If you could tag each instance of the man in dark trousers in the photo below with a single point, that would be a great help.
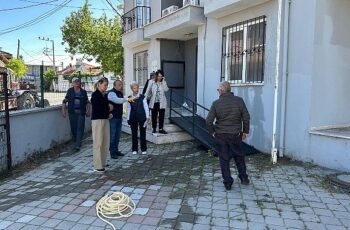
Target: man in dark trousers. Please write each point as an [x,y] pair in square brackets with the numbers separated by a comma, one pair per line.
[231,127]
[116,98]
[78,108]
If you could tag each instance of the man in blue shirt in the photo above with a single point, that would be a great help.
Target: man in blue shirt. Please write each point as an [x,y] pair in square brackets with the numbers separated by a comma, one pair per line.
[78,108]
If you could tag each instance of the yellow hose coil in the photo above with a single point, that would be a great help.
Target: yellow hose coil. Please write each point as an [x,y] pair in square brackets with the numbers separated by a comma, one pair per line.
[114,206]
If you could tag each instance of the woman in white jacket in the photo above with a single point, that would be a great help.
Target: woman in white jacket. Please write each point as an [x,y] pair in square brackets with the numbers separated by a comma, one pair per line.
[158,102]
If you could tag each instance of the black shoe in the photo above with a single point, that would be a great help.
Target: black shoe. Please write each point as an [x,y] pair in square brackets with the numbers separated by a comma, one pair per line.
[114,156]
[154,131]
[228,186]
[77,149]
[120,154]
[162,131]
[99,170]
[244,180]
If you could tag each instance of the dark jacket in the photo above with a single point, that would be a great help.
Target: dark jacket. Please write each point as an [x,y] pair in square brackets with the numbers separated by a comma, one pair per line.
[100,106]
[69,98]
[137,110]
[117,108]
[231,114]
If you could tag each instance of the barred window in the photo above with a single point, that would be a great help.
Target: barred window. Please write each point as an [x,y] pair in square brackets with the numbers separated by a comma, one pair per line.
[141,68]
[243,51]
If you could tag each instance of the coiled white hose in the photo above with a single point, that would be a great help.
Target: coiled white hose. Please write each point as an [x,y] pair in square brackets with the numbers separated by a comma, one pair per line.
[114,206]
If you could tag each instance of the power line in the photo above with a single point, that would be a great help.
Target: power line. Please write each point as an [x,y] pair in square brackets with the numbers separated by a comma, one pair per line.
[114,9]
[25,7]
[35,20]
[75,7]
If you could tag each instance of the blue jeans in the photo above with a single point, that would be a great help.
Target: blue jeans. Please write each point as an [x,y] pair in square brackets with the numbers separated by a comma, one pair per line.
[115,130]
[77,126]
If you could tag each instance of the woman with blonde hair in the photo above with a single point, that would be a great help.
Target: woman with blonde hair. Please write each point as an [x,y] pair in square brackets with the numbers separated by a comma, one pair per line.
[137,116]
[100,124]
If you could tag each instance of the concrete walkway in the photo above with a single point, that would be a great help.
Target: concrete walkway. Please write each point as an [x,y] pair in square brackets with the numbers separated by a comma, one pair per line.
[176,186]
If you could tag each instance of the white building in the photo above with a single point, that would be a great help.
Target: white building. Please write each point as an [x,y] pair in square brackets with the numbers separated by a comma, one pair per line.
[289,60]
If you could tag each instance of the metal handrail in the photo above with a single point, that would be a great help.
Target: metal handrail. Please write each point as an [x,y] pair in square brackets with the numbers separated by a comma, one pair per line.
[186,117]
[137,17]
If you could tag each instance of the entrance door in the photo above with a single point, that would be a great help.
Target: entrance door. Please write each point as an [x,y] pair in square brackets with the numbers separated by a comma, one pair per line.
[174,72]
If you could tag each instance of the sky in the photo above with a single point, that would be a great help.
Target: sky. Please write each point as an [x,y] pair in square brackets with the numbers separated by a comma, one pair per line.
[31,46]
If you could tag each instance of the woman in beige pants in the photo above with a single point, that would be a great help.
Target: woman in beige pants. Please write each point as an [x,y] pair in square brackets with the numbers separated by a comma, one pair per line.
[100,124]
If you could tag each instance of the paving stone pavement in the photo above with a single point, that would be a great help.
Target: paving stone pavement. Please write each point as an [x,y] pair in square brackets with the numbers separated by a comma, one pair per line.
[175,186]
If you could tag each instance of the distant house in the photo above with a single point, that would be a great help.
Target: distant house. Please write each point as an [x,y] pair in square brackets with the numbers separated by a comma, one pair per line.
[4,58]
[81,67]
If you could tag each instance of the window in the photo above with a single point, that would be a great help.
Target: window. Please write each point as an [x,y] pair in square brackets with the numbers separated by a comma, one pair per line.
[141,68]
[243,50]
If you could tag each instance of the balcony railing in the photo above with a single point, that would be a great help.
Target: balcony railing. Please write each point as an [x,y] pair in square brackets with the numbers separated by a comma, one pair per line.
[138,17]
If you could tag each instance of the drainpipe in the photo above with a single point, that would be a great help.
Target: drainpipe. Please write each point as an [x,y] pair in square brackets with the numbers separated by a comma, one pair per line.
[277,79]
[285,77]
[204,54]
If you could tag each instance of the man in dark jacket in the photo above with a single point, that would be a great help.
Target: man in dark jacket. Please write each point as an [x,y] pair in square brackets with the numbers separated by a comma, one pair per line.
[78,108]
[116,98]
[230,128]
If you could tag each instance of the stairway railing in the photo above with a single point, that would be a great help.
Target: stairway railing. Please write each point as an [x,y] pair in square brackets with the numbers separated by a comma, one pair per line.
[175,105]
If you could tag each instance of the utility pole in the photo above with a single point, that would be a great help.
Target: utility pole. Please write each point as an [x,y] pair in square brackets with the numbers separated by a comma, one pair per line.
[53,50]
[18,46]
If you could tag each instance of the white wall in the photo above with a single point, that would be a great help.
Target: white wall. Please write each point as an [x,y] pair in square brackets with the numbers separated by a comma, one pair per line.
[153,48]
[37,130]
[331,81]
[259,99]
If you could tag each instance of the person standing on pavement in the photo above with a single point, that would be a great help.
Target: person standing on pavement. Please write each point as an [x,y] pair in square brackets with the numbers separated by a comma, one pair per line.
[231,127]
[78,108]
[100,124]
[116,98]
[158,102]
[138,116]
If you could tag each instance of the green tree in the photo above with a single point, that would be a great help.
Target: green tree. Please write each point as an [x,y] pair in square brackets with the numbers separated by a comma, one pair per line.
[49,77]
[98,37]
[17,66]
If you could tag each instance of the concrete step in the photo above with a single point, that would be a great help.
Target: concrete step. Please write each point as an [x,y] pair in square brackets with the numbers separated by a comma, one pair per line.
[175,134]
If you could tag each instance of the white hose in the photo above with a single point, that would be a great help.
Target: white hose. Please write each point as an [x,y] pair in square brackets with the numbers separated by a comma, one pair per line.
[114,206]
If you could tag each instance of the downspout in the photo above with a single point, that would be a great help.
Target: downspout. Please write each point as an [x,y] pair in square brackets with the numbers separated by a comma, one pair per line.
[285,78]
[277,79]
[204,54]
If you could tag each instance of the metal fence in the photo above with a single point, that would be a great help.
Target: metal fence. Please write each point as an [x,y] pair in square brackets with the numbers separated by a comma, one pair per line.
[5,143]
[136,18]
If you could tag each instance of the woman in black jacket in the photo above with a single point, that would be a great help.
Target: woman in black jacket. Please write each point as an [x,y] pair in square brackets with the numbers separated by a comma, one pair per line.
[100,124]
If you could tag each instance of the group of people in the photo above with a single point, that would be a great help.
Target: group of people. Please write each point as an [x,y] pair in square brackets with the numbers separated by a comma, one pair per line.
[106,110]
[228,120]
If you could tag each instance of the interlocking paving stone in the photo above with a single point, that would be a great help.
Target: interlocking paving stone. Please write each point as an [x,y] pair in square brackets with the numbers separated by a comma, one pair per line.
[175,186]
[4,224]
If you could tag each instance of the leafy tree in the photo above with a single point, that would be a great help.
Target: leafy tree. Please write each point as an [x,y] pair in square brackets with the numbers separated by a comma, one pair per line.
[17,66]
[98,37]
[49,77]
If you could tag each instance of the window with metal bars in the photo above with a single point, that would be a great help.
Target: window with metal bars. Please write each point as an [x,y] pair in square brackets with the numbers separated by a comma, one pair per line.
[243,51]
[141,68]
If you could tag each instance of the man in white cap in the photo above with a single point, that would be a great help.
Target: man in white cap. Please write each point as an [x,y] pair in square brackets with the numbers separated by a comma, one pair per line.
[78,108]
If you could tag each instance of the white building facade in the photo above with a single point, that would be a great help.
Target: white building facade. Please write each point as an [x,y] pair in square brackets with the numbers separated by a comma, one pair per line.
[287,59]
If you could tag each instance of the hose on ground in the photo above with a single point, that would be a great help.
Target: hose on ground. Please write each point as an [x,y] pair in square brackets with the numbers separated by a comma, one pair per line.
[114,206]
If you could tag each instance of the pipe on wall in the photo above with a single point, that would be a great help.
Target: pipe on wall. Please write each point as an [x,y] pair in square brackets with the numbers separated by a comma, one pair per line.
[277,80]
[285,75]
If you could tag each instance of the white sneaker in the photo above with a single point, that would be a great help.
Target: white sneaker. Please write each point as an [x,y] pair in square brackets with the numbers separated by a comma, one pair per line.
[144,153]
[134,152]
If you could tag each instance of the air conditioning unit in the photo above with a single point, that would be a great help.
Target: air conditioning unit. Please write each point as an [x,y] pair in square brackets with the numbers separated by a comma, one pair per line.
[190,2]
[169,10]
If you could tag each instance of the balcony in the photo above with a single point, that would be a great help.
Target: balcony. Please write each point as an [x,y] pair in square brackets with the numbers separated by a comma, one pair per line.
[181,24]
[133,23]
[227,7]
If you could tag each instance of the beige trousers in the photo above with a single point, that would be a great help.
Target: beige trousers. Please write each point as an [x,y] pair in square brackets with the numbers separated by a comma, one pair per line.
[100,138]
